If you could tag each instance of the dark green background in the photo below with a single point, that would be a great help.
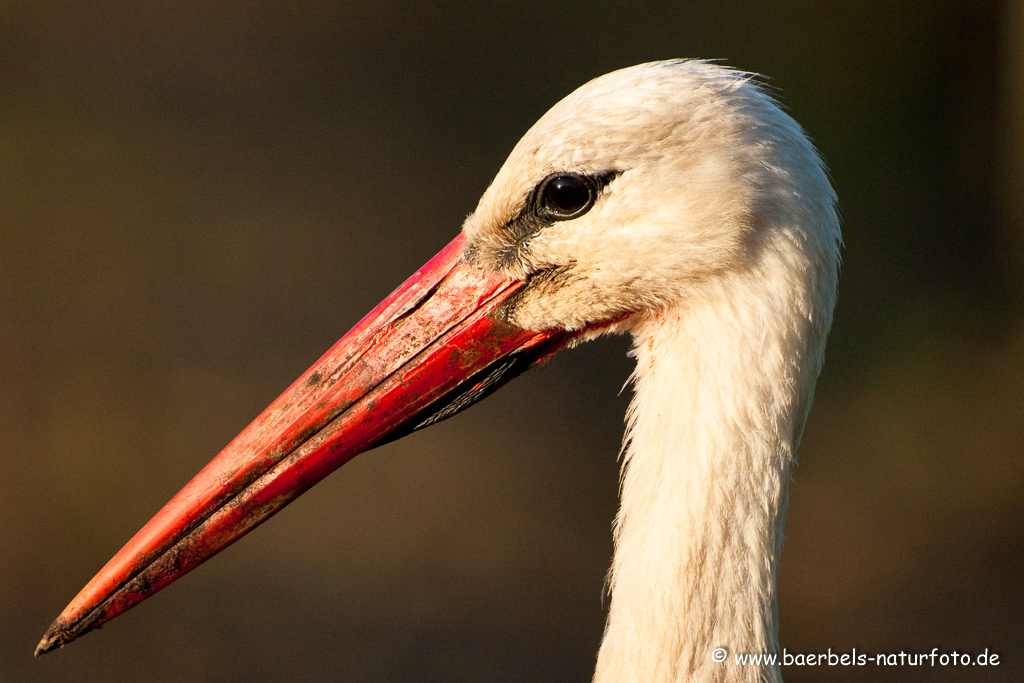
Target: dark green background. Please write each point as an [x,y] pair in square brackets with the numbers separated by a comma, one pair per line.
[198,199]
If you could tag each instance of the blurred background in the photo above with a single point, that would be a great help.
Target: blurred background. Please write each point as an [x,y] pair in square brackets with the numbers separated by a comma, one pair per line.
[197,199]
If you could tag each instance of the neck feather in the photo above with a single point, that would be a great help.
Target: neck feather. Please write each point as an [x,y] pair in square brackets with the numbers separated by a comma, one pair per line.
[722,388]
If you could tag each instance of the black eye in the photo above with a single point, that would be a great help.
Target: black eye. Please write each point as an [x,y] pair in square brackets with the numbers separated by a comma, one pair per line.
[567,196]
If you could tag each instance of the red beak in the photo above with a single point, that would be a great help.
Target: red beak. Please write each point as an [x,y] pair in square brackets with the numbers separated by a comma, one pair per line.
[432,348]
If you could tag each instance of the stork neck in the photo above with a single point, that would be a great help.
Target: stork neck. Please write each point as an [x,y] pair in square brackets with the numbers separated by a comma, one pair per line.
[720,395]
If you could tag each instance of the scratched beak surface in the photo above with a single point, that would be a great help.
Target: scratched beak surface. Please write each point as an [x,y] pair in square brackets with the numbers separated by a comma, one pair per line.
[432,348]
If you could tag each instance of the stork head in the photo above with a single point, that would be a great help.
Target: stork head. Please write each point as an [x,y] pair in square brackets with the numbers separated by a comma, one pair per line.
[642,185]
[630,196]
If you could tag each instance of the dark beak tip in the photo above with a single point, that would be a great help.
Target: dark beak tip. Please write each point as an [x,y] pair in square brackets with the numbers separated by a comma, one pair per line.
[55,638]
[64,631]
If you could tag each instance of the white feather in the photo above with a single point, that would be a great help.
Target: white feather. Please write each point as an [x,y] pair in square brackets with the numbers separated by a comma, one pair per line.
[716,245]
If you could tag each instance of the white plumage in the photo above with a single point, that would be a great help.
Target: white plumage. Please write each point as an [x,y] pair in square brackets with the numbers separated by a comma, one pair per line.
[716,246]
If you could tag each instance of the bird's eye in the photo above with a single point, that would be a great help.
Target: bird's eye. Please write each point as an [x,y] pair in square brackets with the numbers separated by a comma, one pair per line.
[566,196]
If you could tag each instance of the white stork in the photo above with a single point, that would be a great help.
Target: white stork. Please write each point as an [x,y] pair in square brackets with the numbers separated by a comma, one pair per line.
[674,201]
